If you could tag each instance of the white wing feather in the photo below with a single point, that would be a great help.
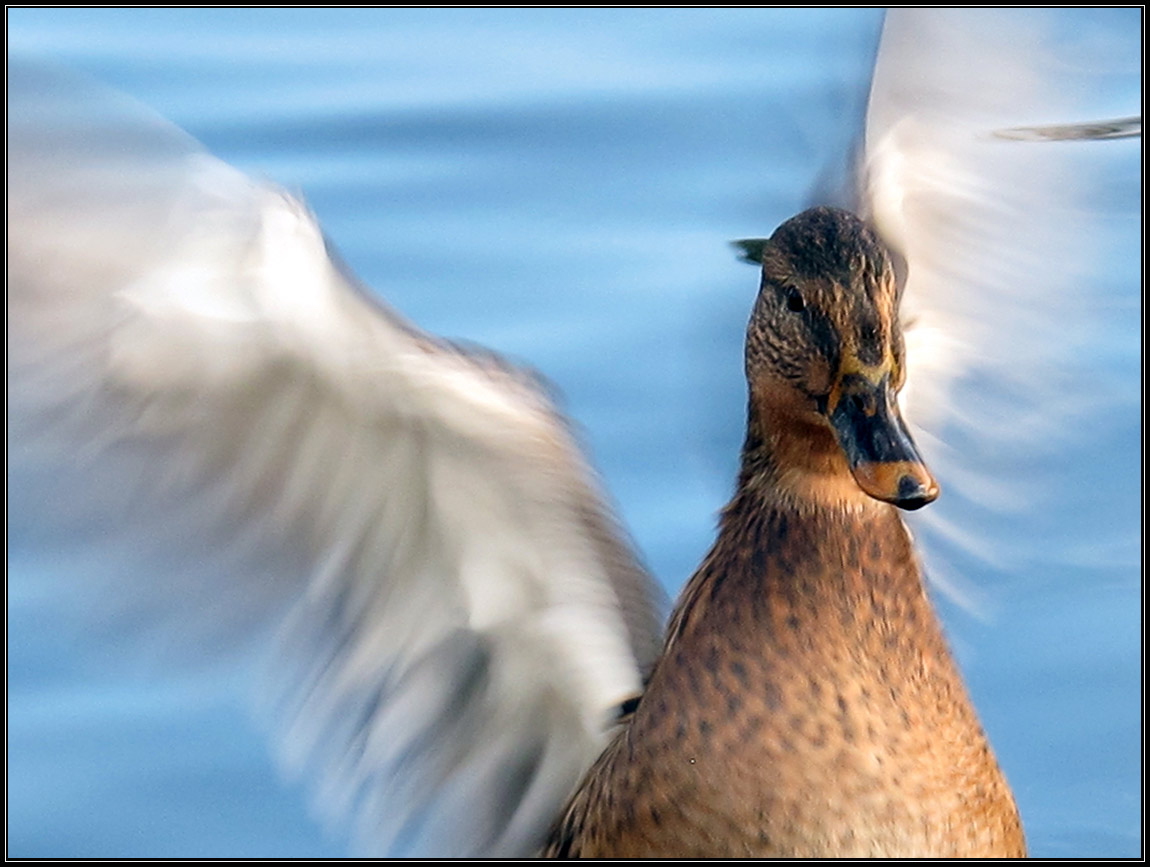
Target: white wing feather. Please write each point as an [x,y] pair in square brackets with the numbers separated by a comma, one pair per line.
[204,408]
[996,236]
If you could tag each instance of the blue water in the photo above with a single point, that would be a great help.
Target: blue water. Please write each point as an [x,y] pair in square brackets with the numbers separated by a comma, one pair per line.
[561,185]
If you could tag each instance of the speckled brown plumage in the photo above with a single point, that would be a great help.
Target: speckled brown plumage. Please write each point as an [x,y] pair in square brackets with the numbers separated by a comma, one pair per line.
[806,706]
[806,703]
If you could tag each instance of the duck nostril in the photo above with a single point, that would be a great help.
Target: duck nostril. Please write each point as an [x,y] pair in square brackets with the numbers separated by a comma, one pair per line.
[862,403]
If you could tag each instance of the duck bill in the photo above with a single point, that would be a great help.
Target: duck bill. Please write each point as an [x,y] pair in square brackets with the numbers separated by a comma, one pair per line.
[882,457]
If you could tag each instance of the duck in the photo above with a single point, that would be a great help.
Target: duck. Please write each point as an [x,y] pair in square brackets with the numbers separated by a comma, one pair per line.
[805,704]
[468,655]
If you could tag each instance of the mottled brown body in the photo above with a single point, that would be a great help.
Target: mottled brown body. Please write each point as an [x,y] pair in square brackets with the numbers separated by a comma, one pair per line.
[806,703]
[806,706]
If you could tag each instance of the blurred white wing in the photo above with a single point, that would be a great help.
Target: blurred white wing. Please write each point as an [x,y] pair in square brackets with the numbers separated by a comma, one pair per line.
[206,410]
[996,231]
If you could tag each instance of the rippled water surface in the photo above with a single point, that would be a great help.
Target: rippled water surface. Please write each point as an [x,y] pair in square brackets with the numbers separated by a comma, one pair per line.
[562,186]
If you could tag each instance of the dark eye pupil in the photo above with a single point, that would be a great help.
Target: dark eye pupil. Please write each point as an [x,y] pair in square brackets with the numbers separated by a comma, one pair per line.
[795,300]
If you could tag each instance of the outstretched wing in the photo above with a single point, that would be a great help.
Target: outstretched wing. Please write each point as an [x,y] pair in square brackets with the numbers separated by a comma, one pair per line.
[205,409]
[997,231]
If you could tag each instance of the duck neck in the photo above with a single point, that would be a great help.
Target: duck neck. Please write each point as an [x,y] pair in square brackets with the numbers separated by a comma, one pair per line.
[799,528]
[791,456]
[845,574]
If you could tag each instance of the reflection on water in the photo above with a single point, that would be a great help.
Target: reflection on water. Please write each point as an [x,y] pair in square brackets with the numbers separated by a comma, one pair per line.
[562,185]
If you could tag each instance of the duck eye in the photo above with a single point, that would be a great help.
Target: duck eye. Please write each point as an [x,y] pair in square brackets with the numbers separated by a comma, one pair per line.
[795,300]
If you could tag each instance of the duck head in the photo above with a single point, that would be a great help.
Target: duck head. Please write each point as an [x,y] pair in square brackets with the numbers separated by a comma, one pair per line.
[825,362]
